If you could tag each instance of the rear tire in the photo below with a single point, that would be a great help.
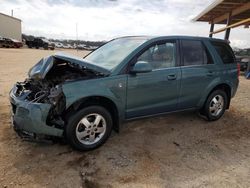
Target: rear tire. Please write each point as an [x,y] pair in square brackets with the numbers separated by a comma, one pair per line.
[89,128]
[215,105]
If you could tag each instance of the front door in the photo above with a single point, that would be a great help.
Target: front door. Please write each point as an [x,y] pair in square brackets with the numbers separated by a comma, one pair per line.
[156,91]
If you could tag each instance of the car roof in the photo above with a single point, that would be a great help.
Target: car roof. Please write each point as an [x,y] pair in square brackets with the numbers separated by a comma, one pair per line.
[145,37]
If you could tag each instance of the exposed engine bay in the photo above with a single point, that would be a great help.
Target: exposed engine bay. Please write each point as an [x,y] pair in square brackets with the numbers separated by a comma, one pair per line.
[48,89]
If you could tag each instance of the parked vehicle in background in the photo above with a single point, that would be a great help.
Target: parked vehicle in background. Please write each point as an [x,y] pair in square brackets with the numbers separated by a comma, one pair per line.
[17,43]
[6,43]
[243,58]
[83,100]
[90,48]
[86,47]
[67,46]
[93,48]
[1,42]
[80,46]
[40,43]
[58,45]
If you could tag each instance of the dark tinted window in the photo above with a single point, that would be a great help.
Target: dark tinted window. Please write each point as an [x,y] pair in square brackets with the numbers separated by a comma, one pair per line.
[194,53]
[225,52]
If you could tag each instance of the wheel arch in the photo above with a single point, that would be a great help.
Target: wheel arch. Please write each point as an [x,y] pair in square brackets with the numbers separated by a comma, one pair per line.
[222,86]
[95,100]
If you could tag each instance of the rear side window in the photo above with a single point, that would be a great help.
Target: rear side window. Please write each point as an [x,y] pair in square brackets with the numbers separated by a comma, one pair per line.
[194,53]
[225,52]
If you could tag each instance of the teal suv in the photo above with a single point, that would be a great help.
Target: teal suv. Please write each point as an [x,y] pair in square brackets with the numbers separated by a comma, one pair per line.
[85,99]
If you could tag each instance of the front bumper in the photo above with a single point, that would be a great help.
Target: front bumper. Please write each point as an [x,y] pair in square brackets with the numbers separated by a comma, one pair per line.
[31,117]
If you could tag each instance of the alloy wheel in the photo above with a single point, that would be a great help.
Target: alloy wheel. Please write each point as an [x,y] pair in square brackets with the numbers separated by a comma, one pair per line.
[91,128]
[216,105]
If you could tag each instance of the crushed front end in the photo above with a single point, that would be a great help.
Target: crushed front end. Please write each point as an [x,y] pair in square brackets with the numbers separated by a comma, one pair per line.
[38,103]
[32,110]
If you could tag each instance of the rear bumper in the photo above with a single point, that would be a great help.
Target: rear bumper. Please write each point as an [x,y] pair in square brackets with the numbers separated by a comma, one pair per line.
[234,88]
[31,117]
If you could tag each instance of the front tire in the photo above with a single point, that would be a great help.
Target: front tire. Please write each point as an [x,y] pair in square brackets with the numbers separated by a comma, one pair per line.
[89,128]
[215,105]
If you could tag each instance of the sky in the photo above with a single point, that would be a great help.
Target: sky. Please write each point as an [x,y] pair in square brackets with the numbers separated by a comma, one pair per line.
[107,19]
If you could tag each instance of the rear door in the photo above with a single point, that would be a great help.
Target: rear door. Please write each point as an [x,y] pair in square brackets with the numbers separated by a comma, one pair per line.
[198,70]
[228,65]
[156,91]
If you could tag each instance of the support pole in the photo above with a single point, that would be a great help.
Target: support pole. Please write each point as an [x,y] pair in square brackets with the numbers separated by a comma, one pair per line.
[211,30]
[227,33]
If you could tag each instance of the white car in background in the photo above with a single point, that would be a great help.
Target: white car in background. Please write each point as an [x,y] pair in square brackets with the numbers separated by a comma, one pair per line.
[67,46]
[58,45]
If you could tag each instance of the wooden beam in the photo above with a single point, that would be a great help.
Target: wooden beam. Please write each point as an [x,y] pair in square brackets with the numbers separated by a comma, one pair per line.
[232,2]
[243,22]
[236,11]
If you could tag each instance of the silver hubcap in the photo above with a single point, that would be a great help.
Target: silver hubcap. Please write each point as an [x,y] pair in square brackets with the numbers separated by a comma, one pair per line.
[216,105]
[91,129]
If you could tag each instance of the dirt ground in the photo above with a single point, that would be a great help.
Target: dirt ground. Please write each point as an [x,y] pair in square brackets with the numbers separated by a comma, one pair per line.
[177,150]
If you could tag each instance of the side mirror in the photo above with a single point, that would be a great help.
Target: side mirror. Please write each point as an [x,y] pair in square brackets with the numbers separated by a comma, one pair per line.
[141,67]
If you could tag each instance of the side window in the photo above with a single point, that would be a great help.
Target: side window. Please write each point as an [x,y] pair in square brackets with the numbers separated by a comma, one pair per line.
[224,52]
[194,53]
[160,55]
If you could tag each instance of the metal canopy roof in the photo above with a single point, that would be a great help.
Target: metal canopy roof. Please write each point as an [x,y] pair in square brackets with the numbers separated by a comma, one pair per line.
[233,13]
[218,11]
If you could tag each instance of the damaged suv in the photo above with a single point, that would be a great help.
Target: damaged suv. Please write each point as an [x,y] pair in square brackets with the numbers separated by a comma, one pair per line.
[85,99]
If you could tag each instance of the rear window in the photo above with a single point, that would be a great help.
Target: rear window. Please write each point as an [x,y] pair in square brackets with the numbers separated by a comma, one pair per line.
[225,52]
[194,53]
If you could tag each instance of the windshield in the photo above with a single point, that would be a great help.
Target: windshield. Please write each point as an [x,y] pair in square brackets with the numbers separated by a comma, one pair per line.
[111,54]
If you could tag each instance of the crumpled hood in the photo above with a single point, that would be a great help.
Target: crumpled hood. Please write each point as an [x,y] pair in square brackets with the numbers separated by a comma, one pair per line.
[40,70]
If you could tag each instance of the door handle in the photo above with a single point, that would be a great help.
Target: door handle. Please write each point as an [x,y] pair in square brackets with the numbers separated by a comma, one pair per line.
[210,73]
[172,77]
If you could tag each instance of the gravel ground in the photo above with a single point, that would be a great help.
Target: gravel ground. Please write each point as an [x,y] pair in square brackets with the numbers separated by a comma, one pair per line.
[177,150]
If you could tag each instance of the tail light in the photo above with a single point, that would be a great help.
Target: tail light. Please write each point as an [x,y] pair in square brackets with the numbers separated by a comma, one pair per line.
[238,69]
